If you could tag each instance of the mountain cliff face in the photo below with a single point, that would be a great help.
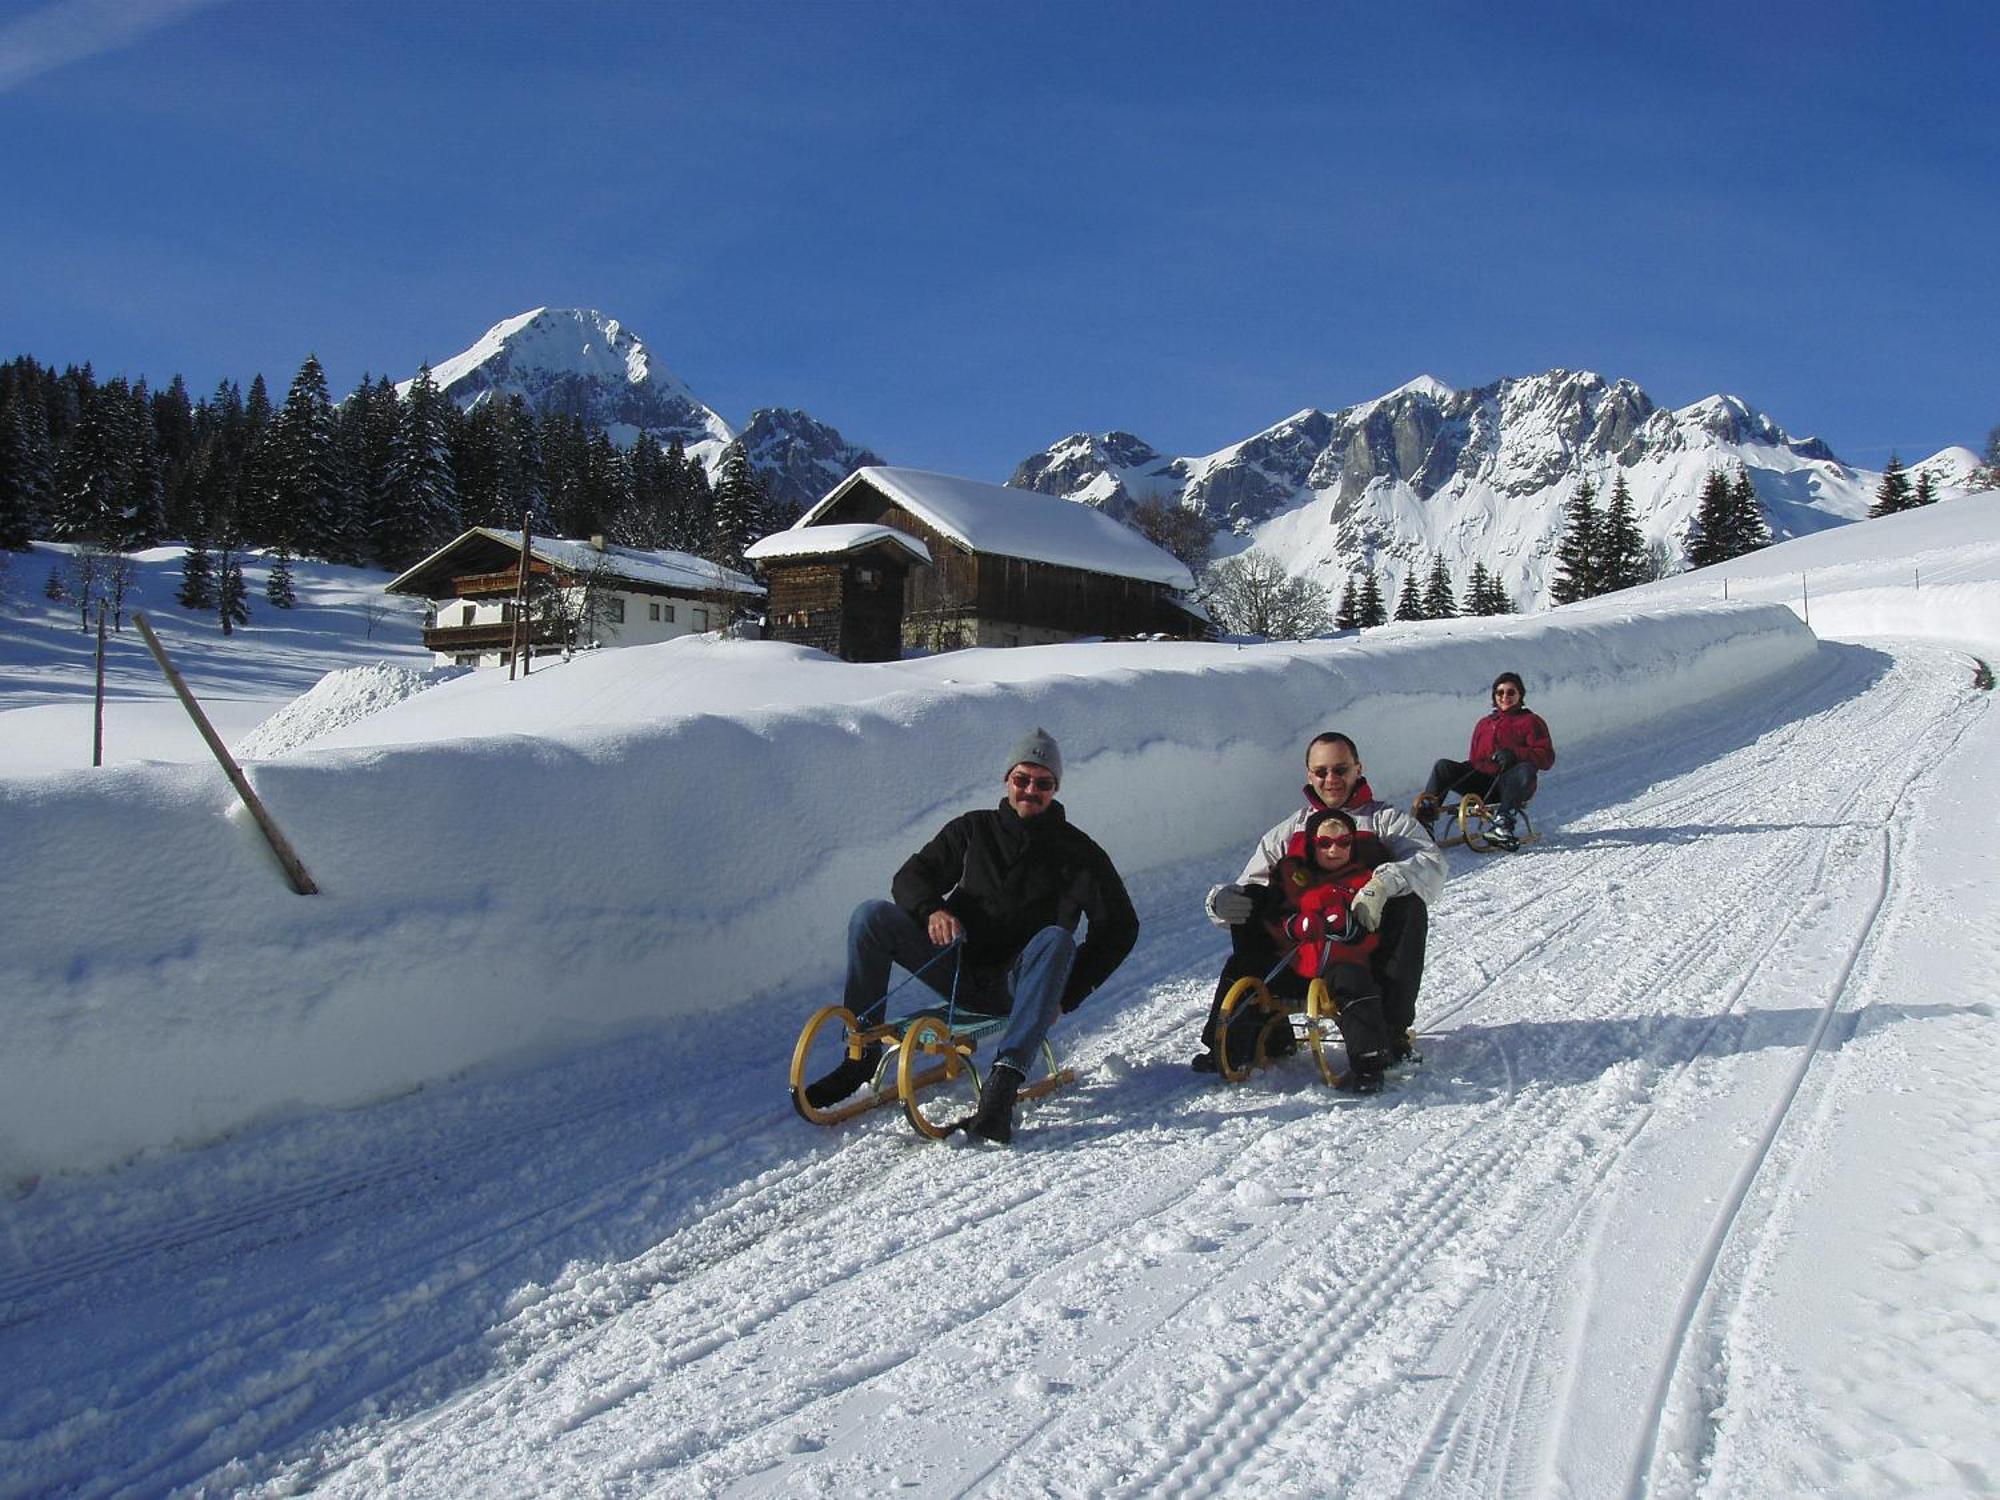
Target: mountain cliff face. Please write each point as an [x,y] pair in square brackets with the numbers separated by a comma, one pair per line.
[580,363]
[798,457]
[1477,475]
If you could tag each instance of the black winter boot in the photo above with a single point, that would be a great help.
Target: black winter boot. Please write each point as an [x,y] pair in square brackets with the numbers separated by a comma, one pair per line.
[993,1120]
[1367,1038]
[845,1079]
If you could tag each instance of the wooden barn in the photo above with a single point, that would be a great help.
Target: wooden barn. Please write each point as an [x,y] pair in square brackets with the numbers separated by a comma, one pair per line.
[980,565]
[842,587]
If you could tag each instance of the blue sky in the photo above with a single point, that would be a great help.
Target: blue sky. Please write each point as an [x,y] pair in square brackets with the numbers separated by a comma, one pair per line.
[959,231]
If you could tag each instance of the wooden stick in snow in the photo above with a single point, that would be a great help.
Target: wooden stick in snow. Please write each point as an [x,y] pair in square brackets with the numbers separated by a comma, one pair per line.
[295,870]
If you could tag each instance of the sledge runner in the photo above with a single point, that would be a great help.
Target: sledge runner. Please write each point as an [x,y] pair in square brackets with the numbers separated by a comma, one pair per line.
[1007,886]
[1393,904]
[1510,747]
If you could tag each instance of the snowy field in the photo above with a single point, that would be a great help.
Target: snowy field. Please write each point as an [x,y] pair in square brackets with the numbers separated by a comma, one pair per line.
[1696,1193]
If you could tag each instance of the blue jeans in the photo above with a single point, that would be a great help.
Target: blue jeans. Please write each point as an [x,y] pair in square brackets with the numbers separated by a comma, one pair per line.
[881,933]
[1507,790]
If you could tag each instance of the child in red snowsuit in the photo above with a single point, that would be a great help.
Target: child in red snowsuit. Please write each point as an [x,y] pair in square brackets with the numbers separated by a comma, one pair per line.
[1324,865]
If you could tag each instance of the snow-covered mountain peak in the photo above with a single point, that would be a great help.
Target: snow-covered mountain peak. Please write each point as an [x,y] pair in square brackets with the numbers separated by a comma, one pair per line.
[576,361]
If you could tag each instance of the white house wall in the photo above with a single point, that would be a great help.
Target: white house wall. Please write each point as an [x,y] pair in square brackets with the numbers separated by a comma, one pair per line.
[679,615]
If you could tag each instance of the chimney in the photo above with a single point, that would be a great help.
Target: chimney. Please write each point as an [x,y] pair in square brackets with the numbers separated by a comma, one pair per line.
[597,541]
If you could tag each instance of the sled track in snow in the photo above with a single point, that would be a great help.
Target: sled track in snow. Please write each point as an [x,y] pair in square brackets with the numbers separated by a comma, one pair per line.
[1698,1305]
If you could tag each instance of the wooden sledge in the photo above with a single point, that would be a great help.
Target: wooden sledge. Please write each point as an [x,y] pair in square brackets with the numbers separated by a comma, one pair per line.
[926,1066]
[1469,821]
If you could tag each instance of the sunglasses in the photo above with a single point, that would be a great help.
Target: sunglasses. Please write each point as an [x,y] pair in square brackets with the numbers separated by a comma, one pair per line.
[1022,782]
[1333,840]
[1321,772]
[1506,692]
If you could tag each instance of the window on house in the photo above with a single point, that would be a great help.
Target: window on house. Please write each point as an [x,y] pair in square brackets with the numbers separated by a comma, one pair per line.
[670,613]
[465,615]
[614,610]
[653,609]
[701,619]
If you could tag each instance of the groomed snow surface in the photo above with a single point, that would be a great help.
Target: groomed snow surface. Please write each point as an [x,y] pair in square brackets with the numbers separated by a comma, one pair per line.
[1695,1192]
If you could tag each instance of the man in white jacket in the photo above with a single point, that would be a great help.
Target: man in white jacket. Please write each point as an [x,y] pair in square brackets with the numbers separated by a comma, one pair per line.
[1395,902]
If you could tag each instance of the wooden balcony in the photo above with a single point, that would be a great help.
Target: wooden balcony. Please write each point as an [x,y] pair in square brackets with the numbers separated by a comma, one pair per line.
[457,640]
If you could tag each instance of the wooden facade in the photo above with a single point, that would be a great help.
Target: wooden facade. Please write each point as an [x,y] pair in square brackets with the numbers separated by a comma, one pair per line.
[970,598]
[849,604]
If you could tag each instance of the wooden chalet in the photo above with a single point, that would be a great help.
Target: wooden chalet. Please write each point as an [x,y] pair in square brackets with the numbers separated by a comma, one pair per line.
[581,594]
[839,588]
[980,565]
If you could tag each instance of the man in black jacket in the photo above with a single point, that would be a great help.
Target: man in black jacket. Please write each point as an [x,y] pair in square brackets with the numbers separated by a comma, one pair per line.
[1008,883]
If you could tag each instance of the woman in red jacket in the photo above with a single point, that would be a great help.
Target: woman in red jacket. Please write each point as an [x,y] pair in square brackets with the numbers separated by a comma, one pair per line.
[1510,746]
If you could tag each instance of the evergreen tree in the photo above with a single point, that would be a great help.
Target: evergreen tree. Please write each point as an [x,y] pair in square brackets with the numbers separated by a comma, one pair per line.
[232,597]
[1439,601]
[254,503]
[278,586]
[607,485]
[422,512]
[688,504]
[1410,600]
[1747,528]
[367,437]
[524,473]
[27,470]
[173,424]
[90,479]
[739,508]
[1479,590]
[1893,493]
[1576,554]
[566,463]
[1348,615]
[1926,489]
[313,504]
[1708,538]
[1621,546]
[197,590]
[142,518]
[1372,610]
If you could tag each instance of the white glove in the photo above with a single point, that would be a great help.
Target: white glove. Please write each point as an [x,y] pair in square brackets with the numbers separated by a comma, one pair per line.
[1369,900]
[1231,904]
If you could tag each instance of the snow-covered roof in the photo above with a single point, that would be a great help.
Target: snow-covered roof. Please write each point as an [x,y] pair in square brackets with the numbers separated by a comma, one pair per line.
[1005,522]
[827,541]
[660,567]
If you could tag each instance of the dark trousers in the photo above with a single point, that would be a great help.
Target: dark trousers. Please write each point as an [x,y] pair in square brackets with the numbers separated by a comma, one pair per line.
[1508,790]
[1396,966]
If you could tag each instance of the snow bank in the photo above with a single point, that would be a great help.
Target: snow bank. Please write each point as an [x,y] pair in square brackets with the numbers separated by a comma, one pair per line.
[485,897]
[1965,612]
[337,700]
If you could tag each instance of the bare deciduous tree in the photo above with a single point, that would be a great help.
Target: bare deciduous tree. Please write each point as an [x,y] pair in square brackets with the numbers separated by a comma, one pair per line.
[1185,532]
[1254,595]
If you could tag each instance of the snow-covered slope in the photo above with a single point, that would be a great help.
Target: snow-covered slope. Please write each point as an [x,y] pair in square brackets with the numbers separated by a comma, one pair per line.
[1477,476]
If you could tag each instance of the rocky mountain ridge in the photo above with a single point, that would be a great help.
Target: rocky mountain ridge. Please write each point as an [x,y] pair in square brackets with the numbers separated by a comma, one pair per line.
[1478,475]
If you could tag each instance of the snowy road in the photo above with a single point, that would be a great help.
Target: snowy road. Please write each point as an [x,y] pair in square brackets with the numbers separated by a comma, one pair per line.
[1664,1048]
